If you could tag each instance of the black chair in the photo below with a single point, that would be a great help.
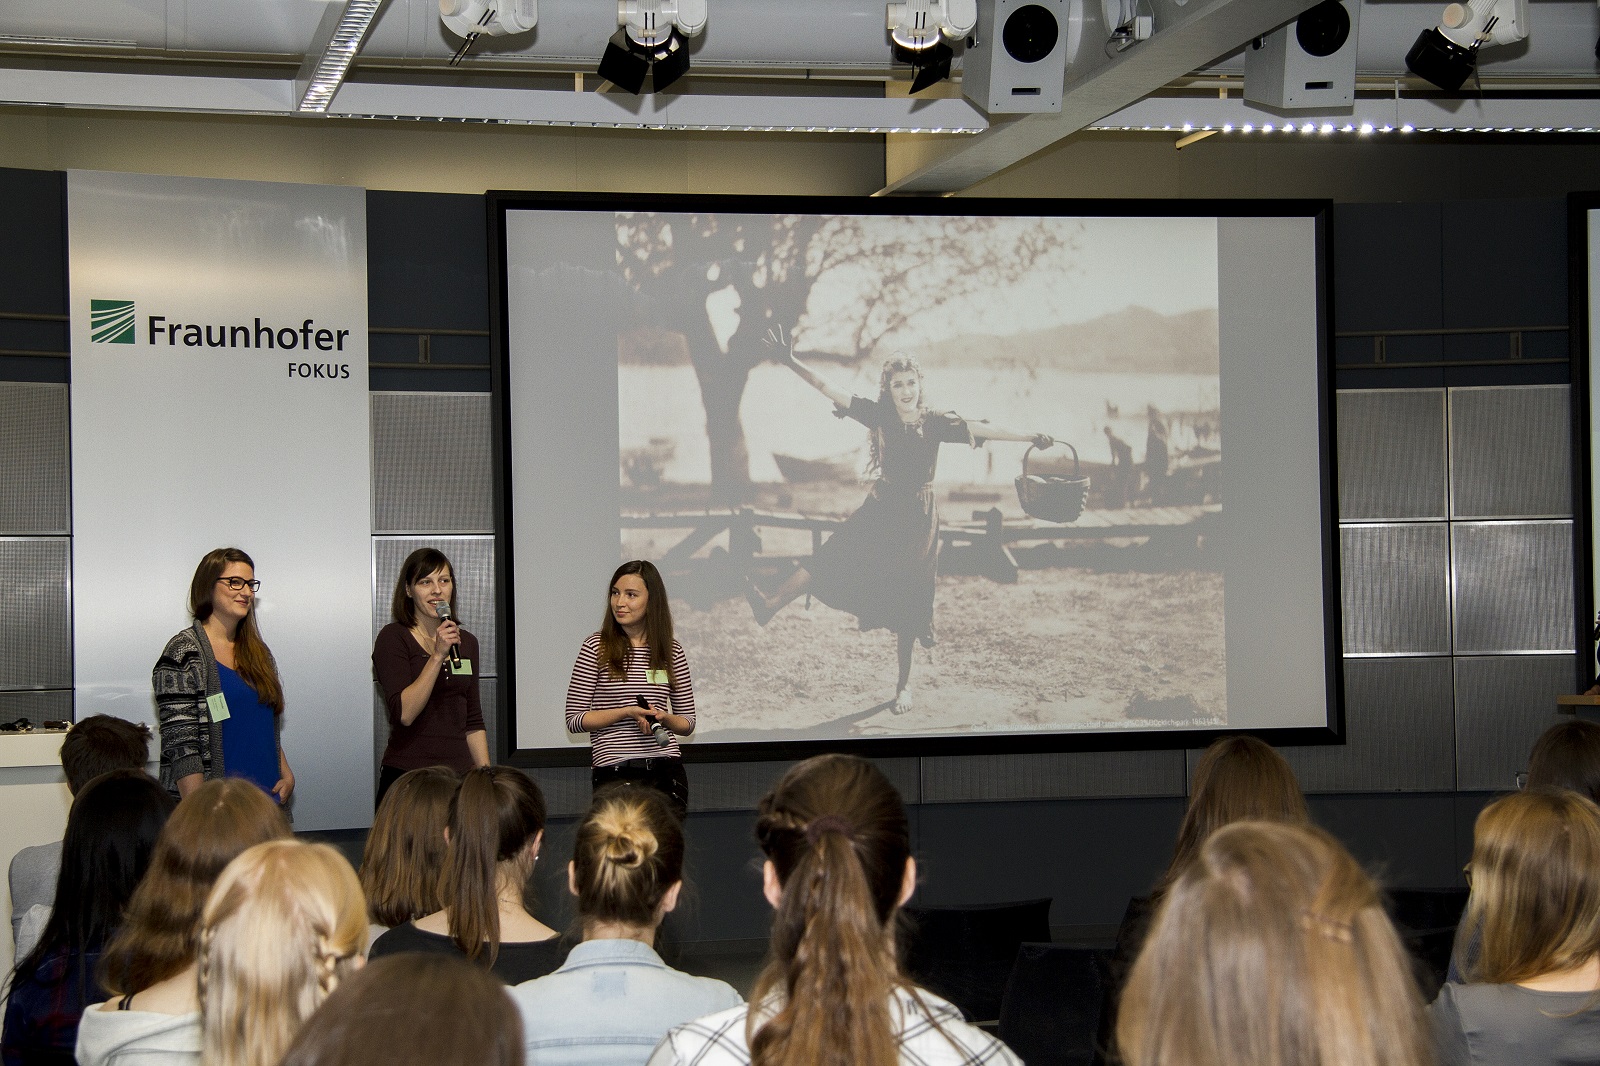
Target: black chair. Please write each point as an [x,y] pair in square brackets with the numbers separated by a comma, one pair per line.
[965,953]
[1052,1010]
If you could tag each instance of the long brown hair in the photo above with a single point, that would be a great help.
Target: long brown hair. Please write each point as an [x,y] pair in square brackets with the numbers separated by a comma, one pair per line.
[496,812]
[1237,778]
[283,926]
[1272,948]
[657,622]
[252,658]
[160,934]
[837,835]
[405,848]
[627,855]
[422,1009]
[418,565]
[1535,903]
[1567,755]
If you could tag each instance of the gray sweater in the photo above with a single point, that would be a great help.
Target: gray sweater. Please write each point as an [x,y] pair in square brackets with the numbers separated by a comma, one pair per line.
[1507,1025]
[186,673]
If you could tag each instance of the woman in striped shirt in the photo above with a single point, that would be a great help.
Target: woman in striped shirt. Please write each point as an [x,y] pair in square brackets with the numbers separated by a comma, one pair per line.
[631,691]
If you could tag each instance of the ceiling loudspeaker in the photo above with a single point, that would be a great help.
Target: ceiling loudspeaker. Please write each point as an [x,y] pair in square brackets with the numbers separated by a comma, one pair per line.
[1016,59]
[1310,63]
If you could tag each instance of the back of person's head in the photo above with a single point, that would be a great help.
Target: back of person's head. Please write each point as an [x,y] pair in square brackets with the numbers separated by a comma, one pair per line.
[837,836]
[1567,755]
[284,924]
[413,1010]
[496,819]
[627,856]
[99,744]
[1535,903]
[111,834]
[405,848]
[1237,778]
[160,935]
[1272,948]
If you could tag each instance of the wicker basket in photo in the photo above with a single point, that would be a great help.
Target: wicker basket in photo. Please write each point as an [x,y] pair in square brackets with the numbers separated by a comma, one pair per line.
[1051,498]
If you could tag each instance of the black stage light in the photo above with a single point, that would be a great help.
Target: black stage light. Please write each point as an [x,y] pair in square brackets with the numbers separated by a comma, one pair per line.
[622,66]
[929,65]
[1441,61]
[671,61]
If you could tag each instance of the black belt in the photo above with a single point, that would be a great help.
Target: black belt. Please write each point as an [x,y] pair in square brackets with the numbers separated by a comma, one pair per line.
[659,762]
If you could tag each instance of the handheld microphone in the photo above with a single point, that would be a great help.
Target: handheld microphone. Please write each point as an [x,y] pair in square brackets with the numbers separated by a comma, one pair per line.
[443,611]
[657,730]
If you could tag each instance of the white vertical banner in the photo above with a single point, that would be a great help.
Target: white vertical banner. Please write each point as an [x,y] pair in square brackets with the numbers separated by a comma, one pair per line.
[219,398]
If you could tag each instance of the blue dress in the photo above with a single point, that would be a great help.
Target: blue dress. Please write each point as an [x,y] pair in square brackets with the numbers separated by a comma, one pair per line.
[249,733]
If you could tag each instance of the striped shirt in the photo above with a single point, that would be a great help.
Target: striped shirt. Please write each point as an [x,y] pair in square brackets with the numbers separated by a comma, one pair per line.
[594,689]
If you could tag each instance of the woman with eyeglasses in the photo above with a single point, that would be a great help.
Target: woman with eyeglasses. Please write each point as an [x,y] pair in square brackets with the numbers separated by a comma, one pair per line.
[219,702]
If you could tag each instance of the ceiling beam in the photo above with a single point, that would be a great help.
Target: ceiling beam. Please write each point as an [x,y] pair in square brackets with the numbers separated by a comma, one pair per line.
[1188,38]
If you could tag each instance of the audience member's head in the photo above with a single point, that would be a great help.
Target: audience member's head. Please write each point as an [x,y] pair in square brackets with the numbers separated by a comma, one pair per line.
[1567,755]
[1272,948]
[406,849]
[111,833]
[160,936]
[627,860]
[99,744]
[1237,778]
[413,1010]
[838,848]
[1535,903]
[284,924]
[496,828]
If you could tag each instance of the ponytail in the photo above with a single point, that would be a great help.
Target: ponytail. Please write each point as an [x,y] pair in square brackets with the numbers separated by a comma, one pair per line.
[627,855]
[494,815]
[837,835]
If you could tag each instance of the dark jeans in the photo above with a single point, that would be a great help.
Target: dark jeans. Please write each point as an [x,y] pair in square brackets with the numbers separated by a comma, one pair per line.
[665,775]
[387,775]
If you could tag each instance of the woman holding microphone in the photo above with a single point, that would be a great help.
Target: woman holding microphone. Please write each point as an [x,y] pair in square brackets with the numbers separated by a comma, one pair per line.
[427,666]
[630,678]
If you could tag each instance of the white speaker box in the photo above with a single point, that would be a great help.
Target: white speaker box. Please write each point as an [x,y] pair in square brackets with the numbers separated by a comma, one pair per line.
[1308,64]
[1019,61]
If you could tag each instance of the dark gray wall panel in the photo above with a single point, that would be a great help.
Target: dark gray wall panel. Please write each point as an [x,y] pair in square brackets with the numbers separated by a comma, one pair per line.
[36,492]
[35,629]
[1503,703]
[1055,775]
[46,706]
[739,786]
[472,560]
[1510,452]
[1513,586]
[1391,454]
[431,463]
[1399,731]
[1396,585]
[566,790]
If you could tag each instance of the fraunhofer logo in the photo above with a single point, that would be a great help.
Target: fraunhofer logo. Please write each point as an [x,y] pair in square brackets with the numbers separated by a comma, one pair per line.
[111,321]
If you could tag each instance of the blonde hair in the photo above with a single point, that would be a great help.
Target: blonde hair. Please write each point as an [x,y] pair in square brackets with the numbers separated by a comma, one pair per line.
[1272,948]
[1535,903]
[627,854]
[405,848]
[285,922]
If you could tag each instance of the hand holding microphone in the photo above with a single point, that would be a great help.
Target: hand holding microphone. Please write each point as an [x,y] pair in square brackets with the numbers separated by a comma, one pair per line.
[657,730]
[443,611]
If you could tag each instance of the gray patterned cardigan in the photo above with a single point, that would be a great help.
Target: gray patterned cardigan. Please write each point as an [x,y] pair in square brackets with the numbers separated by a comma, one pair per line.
[186,673]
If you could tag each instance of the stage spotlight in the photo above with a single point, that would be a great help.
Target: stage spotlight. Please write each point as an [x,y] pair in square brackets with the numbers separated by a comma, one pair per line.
[1447,54]
[920,32]
[471,19]
[654,37]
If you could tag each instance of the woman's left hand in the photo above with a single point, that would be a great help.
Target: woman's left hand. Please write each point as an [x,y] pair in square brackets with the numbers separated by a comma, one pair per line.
[1043,441]
[285,786]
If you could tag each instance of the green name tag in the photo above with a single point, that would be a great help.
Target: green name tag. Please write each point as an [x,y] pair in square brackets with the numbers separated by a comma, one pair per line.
[656,677]
[218,705]
[463,667]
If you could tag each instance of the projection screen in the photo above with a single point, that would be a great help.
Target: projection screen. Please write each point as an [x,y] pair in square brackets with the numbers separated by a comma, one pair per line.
[931,476]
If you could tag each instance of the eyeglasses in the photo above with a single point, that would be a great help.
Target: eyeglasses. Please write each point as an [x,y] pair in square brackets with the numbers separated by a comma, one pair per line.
[1466,872]
[1521,778]
[237,583]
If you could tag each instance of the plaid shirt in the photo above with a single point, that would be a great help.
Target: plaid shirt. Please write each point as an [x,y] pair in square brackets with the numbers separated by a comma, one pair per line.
[931,1034]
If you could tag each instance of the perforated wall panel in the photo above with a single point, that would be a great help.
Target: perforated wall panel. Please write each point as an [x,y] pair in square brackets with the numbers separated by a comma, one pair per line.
[1503,703]
[431,463]
[1510,451]
[1396,584]
[472,560]
[1391,454]
[1513,584]
[977,778]
[36,627]
[40,706]
[738,786]
[36,492]
[1399,730]
[566,789]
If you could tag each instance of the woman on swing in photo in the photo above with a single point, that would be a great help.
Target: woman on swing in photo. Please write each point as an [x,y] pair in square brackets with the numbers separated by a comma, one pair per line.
[881,564]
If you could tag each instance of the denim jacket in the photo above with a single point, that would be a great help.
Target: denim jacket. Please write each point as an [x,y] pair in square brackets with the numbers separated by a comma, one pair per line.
[610,1004]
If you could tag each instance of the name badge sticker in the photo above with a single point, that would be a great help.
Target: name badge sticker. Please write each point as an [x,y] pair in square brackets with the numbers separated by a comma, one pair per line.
[463,668]
[657,677]
[218,706]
